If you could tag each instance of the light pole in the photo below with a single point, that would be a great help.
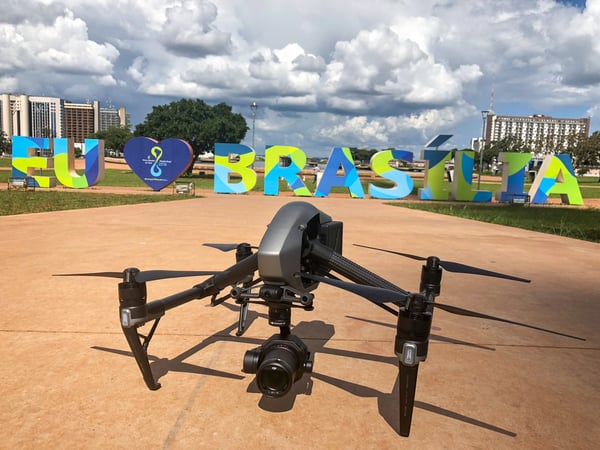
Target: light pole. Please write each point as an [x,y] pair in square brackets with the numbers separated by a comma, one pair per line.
[253,107]
[484,115]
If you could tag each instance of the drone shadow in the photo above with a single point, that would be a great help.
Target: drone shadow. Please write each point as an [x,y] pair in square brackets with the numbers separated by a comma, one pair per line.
[318,333]
[388,402]
[434,337]
[162,366]
[389,406]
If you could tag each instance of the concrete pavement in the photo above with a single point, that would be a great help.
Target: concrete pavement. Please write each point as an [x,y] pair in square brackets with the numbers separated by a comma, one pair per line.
[68,380]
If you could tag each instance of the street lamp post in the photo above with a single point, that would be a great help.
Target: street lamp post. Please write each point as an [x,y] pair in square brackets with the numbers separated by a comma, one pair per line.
[484,115]
[253,107]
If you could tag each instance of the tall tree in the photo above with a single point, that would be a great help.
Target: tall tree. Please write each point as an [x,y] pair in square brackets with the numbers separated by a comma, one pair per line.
[506,144]
[5,146]
[194,121]
[586,153]
[114,138]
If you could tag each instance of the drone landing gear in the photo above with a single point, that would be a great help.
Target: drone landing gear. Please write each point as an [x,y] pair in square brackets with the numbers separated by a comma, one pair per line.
[412,342]
[133,313]
[412,337]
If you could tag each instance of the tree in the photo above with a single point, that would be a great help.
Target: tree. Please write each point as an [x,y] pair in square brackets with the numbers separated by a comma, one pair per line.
[5,145]
[114,138]
[194,121]
[361,154]
[586,153]
[506,144]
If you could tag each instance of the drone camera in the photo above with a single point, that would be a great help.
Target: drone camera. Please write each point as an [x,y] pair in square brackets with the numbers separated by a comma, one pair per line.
[278,364]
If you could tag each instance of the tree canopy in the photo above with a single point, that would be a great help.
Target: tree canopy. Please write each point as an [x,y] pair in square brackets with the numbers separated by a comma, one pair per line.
[585,152]
[5,146]
[506,144]
[196,122]
[114,138]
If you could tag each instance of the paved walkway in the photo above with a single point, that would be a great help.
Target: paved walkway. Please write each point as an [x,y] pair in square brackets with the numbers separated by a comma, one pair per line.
[68,380]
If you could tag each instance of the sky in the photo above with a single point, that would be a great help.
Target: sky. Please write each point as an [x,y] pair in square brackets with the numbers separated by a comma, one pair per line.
[371,74]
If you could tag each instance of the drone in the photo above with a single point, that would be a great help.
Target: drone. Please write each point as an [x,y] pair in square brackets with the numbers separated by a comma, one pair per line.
[301,248]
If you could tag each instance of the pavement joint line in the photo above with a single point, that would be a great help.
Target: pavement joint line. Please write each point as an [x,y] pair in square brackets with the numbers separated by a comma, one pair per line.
[232,338]
[180,421]
[60,332]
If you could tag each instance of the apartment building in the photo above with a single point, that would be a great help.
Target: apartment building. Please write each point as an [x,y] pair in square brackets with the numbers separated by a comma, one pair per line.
[25,115]
[542,134]
[111,117]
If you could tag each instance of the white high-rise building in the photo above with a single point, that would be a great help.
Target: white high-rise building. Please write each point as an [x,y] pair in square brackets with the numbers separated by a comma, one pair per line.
[52,117]
[47,117]
[15,114]
[542,134]
[111,117]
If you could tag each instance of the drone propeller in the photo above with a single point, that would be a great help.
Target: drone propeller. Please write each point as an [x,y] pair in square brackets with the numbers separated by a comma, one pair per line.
[375,294]
[451,266]
[146,275]
[227,247]
[381,295]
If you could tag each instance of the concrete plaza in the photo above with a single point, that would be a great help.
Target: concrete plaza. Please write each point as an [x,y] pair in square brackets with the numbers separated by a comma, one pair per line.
[69,381]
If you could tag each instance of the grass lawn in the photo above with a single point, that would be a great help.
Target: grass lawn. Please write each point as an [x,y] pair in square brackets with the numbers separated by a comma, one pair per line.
[25,202]
[576,223]
[564,221]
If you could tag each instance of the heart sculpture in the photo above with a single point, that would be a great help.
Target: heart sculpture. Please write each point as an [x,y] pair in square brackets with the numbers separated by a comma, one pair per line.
[158,164]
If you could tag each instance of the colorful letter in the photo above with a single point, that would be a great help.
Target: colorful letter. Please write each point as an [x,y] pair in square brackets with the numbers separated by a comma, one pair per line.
[380,166]
[556,176]
[25,161]
[435,168]
[340,157]
[64,158]
[514,166]
[462,183]
[241,164]
[274,170]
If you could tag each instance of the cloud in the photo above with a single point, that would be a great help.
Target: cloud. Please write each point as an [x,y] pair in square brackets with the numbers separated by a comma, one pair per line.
[578,56]
[189,30]
[323,73]
[62,46]
[8,84]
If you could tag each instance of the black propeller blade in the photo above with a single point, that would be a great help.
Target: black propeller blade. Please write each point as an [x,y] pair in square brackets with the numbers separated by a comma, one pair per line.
[381,295]
[469,313]
[142,277]
[91,274]
[226,247]
[451,266]
[222,247]
[375,294]
[152,275]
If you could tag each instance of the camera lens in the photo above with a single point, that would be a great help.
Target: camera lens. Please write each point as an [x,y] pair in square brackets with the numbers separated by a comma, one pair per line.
[274,380]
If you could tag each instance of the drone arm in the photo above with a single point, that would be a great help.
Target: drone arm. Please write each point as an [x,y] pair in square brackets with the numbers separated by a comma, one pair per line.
[134,310]
[349,269]
[211,286]
[345,267]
